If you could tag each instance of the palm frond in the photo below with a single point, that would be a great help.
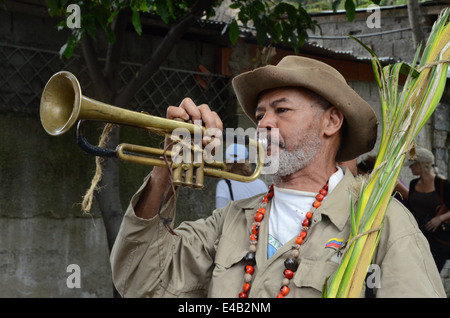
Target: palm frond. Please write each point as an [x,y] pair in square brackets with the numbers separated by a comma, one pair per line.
[404,113]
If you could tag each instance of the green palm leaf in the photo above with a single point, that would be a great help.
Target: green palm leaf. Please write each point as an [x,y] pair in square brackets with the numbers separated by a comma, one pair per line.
[404,113]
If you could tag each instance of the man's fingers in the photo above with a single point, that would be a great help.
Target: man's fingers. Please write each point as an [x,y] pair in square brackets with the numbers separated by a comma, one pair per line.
[191,109]
[174,112]
[203,115]
[209,118]
[186,111]
[213,126]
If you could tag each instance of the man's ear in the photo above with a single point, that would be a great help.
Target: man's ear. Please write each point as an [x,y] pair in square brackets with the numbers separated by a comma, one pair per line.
[333,120]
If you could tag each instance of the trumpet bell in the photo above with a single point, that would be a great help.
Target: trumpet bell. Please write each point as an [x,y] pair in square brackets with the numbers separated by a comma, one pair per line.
[60,103]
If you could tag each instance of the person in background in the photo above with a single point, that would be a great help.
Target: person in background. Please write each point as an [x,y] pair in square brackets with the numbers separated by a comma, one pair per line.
[365,166]
[226,190]
[423,200]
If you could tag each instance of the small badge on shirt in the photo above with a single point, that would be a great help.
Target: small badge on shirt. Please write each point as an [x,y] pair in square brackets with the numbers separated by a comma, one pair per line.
[334,243]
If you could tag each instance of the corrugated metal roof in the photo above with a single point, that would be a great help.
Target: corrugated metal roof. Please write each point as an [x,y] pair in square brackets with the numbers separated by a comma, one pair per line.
[319,50]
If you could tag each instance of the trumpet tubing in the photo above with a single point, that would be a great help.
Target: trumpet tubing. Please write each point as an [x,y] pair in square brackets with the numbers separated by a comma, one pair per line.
[62,105]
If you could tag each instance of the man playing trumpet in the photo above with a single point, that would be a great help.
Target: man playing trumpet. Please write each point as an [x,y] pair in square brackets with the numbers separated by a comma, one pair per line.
[287,242]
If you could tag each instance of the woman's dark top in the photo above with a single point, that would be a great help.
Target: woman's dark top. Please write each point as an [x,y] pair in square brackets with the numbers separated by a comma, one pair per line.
[423,205]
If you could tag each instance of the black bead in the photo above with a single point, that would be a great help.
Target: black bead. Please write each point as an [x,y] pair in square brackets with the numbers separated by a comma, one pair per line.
[250,258]
[291,264]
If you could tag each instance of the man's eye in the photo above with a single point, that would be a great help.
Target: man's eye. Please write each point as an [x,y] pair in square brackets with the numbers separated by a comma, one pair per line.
[282,110]
[259,117]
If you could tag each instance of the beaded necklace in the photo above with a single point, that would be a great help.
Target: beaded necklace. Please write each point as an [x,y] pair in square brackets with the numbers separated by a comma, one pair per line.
[291,262]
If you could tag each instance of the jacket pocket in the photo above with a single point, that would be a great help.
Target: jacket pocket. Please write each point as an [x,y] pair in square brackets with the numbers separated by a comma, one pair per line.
[228,273]
[314,273]
[229,252]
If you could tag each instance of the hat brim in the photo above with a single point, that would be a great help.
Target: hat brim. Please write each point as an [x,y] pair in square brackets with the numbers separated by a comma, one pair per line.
[360,133]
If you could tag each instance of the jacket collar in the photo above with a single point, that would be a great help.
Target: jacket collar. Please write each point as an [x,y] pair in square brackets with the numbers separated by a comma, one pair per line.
[336,206]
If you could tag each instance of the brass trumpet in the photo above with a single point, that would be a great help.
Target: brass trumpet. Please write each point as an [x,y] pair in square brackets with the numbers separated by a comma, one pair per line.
[62,105]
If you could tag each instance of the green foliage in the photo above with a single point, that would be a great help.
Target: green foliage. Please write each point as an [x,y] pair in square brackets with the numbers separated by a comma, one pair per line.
[274,22]
[234,31]
[97,15]
[350,9]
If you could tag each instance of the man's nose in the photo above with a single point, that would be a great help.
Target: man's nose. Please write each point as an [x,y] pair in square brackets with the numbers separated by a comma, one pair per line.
[268,121]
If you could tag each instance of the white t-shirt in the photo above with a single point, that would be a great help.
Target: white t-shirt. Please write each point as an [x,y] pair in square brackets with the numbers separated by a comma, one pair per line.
[288,210]
[241,190]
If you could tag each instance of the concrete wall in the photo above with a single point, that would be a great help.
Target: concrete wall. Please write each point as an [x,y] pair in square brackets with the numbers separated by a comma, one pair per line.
[389,38]
[42,230]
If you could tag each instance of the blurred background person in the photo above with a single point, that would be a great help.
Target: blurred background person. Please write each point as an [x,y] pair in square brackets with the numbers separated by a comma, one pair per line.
[236,156]
[426,195]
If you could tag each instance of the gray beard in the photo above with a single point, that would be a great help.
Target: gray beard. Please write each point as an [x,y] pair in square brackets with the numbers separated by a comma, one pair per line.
[290,162]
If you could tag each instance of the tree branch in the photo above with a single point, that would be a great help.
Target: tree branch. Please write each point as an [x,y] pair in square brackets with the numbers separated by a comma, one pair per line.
[152,65]
[160,54]
[114,52]
[93,65]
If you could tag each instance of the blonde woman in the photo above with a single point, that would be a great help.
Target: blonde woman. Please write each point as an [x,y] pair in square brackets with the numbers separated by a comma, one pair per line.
[423,200]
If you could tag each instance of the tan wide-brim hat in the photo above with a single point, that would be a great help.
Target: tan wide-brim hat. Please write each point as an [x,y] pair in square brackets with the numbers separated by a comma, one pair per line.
[360,133]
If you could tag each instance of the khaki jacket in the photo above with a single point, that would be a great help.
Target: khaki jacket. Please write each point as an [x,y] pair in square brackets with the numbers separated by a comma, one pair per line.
[206,258]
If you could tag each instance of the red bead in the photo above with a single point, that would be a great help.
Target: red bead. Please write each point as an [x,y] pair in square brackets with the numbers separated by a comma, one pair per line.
[255,229]
[305,222]
[320,197]
[325,187]
[288,273]
[280,295]
[259,217]
[262,211]
[246,287]
[284,290]
[253,237]
[270,194]
[302,234]
[299,240]
[242,295]
[316,204]
[265,199]
[323,192]
[309,215]
[249,269]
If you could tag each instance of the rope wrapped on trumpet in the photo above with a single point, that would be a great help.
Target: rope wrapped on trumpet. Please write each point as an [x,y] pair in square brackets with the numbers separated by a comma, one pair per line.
[404,113]
[62,105]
